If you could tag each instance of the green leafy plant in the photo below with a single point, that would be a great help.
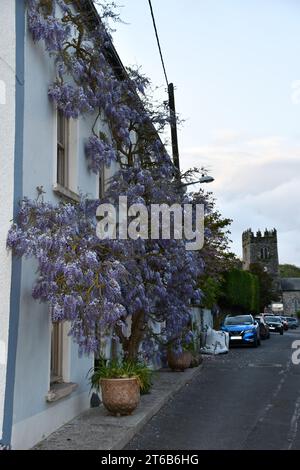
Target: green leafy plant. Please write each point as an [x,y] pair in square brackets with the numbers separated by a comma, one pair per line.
[240,292]
[116,369]
[193,345]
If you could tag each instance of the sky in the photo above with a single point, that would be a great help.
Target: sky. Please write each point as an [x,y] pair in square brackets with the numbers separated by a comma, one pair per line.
[236,68]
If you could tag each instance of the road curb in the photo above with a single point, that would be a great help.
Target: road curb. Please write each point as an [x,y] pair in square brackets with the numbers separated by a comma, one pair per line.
[130,434]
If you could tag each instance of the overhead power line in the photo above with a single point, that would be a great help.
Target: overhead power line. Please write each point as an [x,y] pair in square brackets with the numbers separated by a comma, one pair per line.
[170,88]
[158,42]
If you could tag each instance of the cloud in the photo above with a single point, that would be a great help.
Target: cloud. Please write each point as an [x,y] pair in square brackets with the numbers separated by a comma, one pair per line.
[257,184]
[226,136]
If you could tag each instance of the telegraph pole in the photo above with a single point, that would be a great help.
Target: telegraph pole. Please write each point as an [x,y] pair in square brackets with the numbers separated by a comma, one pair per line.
[173,121]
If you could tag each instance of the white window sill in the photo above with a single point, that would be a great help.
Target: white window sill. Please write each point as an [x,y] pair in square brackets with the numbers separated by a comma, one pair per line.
[59,391]
[65,192]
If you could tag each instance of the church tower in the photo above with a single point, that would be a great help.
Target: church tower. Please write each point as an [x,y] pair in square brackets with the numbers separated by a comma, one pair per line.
[261,248]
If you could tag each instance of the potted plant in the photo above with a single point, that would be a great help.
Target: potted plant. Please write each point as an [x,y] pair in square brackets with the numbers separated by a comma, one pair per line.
[180,351]
[179,360]
[193,348]
[121,384]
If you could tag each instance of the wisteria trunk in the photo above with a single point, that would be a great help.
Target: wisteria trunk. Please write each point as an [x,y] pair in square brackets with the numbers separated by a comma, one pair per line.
[131,345]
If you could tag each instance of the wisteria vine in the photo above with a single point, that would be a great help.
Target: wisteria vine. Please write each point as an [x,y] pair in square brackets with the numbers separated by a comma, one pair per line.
[103,286]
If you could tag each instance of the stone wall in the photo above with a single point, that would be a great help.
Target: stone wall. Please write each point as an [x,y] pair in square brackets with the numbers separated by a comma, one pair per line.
[291,302]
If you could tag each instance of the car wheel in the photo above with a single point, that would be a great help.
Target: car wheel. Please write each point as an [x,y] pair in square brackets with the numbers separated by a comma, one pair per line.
[258,342]
[281,332]
[255,343]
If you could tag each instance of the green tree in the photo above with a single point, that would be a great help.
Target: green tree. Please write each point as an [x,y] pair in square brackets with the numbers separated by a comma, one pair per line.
[267,292]
[211,289]
[289,270]
[216,255]
[240,292]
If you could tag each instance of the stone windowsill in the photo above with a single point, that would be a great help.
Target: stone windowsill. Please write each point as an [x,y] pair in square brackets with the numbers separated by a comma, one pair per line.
[59,391]
[65,192]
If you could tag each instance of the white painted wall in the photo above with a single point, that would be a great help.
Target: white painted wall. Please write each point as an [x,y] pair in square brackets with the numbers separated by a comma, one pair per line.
[7,138]
[202,317]
[34,418]
[28,432]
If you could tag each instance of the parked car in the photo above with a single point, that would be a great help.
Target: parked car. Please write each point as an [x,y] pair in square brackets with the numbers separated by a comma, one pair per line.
[285,323]
[274,323]
[242,329]
[264,331]
[292,322]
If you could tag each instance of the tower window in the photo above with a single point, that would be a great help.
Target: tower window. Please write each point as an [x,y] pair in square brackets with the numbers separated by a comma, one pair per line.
[265,253]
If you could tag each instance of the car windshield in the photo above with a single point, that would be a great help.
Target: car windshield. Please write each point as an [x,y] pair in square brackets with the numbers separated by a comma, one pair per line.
[274,319]
[240,320]
[291,319]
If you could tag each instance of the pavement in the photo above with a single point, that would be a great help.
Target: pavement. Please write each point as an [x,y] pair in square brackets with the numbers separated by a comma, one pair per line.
[247,399]
[96,429]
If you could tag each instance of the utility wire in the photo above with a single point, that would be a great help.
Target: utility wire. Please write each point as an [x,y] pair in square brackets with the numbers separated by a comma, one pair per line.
[158,42]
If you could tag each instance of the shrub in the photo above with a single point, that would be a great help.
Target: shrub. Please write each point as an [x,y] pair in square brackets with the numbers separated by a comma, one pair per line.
[241,291]
[120,370]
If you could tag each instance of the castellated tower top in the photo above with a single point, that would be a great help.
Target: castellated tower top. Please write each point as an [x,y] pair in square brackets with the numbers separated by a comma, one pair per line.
[249,236]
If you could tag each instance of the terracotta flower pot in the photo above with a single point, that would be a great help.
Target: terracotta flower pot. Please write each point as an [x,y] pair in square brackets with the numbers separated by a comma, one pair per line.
[120,396]
[180,361]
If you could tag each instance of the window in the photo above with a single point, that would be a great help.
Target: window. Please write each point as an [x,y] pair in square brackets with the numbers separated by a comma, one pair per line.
[239,320]
[62,150]
[66,150]
[101,183]
[56,352]
[60,385]
[265,253]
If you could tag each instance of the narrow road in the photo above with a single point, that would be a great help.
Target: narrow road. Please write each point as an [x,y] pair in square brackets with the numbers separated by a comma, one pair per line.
[246,399]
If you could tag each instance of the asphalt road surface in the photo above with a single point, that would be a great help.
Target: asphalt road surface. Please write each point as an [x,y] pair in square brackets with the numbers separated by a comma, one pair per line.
[246,399]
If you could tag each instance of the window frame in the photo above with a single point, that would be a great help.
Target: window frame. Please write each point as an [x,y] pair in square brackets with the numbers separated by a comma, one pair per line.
[56,353]
[101,182]
[62,149]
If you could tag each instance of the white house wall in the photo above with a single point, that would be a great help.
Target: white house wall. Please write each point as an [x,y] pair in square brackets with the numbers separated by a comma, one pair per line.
[34,418]
[7,138]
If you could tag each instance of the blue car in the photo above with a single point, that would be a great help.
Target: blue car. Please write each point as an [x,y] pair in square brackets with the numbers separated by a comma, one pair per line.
[242,329]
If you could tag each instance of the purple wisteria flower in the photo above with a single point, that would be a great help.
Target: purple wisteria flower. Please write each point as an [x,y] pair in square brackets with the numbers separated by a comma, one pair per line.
[124,289]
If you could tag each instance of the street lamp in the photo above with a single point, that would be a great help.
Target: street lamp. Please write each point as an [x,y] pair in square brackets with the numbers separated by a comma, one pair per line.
[204,179]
